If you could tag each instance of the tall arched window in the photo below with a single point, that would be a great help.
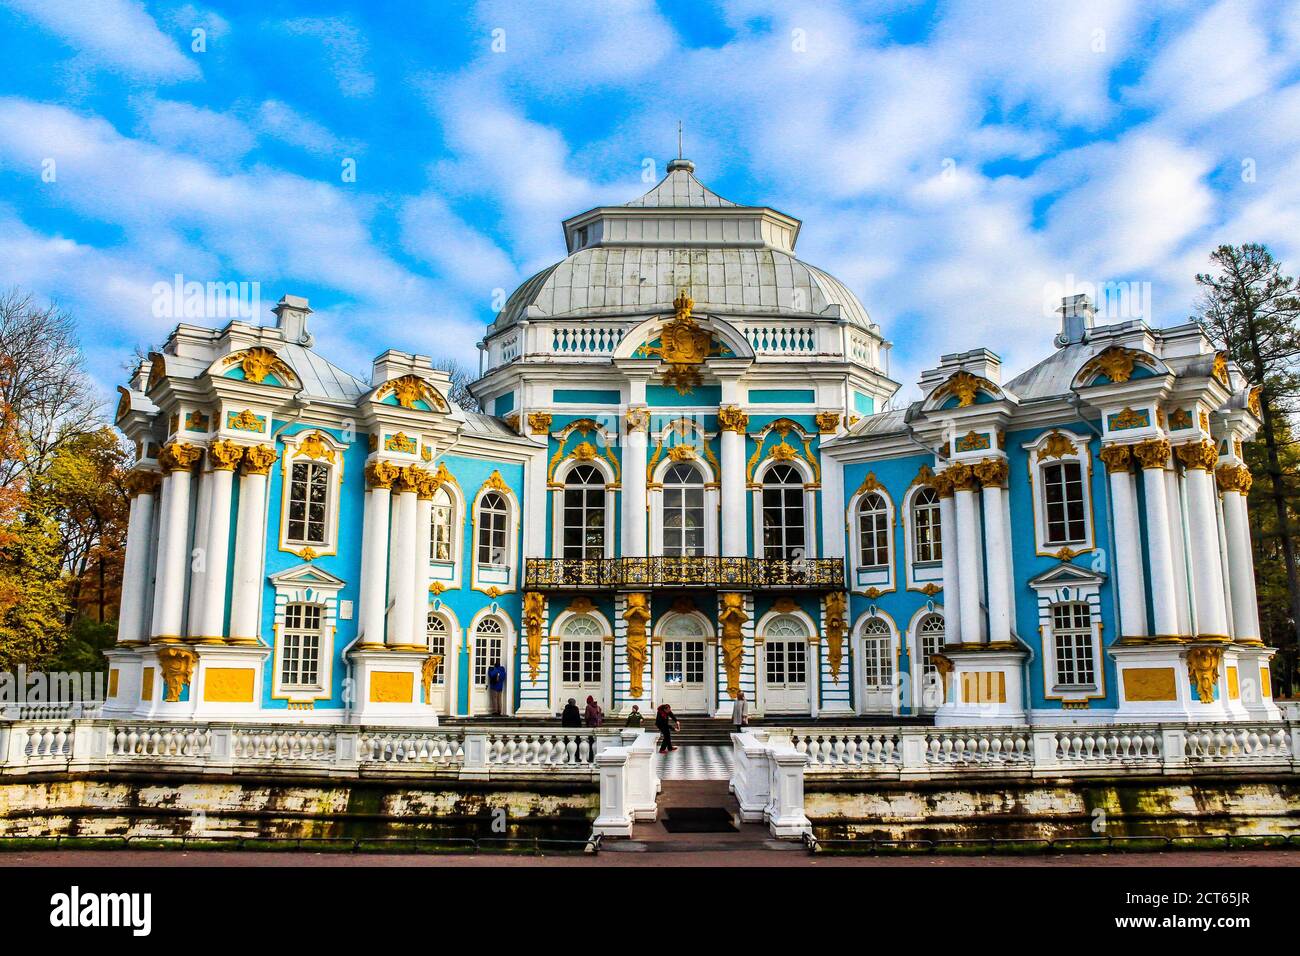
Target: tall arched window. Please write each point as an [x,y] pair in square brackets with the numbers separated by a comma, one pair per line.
[440,538]
[929,637]
[584,513]
[783,513]
[683,512]
[309,483]
[926,541]
[1064,504]
[873,532]
[877,655]
[493,515]
[437,633]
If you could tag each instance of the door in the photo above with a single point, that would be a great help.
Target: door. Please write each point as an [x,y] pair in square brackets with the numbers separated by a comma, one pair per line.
[440,645]
[877,668]
[683,686]
[581,675]
[489,647]
[929,638]
[787,676]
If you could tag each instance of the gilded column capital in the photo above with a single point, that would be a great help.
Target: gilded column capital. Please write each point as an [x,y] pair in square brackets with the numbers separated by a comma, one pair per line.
[637,419]
[426,484]
[140,482]
[1153,453]
[731,418]
[942,484]
[1117,458]
[178,456]
[539,423]
[381,474]
[991,472]
[962,476]
[408,480]
[259,459]
[1234,478]
[1198,456]
[827,422]
[225,455]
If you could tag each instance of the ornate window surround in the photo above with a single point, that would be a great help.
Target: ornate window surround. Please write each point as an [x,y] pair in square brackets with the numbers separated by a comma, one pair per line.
[556,636]
[871,581]
[557,502]
[916,665]
[312,444]
[711,503]
[919,575]
[856,649]
[305,584]
[810,487]
[1054,445]
[496,581]
[509,651]
[1062,584]
[448,573]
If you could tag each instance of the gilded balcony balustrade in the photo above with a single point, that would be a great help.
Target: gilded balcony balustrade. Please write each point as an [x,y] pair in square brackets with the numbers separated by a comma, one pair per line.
[555,574]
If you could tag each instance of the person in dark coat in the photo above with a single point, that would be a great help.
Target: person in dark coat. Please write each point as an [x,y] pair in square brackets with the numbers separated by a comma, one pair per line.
[666,721]
[571,717]
[593,715]
[634,719]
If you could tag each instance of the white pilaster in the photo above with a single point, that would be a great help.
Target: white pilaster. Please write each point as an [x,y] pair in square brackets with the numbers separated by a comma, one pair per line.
[1207,572]
[1154,457]
[733,424]
[135,565]
[968,559]
[1128,557]
[173,542]
[210,627]
[992,473]
[949,542]
[250,546]
[634,482]
[373,595]
[420,581]
[1235,481]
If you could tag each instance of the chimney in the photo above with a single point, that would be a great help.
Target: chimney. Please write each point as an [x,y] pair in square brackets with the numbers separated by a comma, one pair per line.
[1076,320]
[291,319]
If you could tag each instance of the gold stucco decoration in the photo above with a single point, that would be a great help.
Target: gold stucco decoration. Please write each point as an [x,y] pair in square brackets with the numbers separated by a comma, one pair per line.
[1203,666]
[637,617]
[836,606]
[427,671]
[1057,445]
[539,423]
[177,669]
[1152,453]
[259,459]
[1117,458]
[731,621]
[533,617]
[178,456]
[992,471]
[684,345]
[1198,456]
[731,418]
[381,474]
[225,455]
[827,422]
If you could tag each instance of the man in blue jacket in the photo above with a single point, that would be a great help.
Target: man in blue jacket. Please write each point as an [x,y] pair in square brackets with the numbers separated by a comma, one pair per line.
[496,676]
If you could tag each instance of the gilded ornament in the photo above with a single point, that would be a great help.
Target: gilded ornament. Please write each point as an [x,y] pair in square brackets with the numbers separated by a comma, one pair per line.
[637,617]
[874,592]
[1219,371]
[494,592]
[1203,666]
[684,345]
[157,371]
[827,422]
[400,443]
[123,404]
[245,421]
[409,389]
[584,451]
[1056,446]
[991,472]
[782,451]
[1129,418]
[196,421]
[1152,453]
[437,587]
[931,589]
[964,386]
[512,421]
[924,476]
[308,553]
[943,484]
[731,620]
[259,459]
[637,419]
[962,477]
[177,669]
[173,423]
[1234,478]
[731,418]
[409,479]
[314,446]
[495,483]
[1117,458]
[141,482]
[225,455]
[533,617]
[539,423]
[1253,402]
[428,670]
[256,363]
[681,453]
[1116,363]
[178,456]
[1200,456]
[972,441]
[1205,421]
[1066,554]
[1180,418]
[381,474]
[836,606]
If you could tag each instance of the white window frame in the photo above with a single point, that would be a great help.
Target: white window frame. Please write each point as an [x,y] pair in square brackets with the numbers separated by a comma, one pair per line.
[656,493]
[865,579]
[508,639]
[875,635]
[560,480]
[895,649]
[809,504]
[448,573]
[332,459]
[931,572]
[918,658]
[1090,632]
[555,637]
[1083,457]
[486,577]
[305,584]
[1066,584]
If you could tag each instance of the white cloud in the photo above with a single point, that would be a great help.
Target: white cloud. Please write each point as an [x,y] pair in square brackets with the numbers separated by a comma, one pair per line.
[345,48]
[118,35]
[281,121]
[183,127]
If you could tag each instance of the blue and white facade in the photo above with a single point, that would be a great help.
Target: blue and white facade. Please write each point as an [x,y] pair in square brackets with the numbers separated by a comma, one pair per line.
[683,487]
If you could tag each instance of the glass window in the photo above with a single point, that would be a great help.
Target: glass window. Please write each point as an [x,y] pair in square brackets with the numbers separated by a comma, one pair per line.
[1072,635]
[873,532]
[683,512]
[877,654]
[489,646]
[584,513]
[492,515]
[786,650]
[309,483]
[300,646]
[440,538]
[437,633]
[783,515]
[926,543]
[1063,497]
[581,653]
[930,634]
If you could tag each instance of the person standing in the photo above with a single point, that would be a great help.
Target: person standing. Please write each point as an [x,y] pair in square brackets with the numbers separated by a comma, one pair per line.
[496,676]
[593,716]
[739,712]
[634,719]
[571,717]
[666,722]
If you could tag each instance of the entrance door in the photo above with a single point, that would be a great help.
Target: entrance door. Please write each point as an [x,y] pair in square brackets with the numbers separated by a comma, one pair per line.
[489,647]
[929,638]
[684,687]
[582,655]
[877,668]
[786,667]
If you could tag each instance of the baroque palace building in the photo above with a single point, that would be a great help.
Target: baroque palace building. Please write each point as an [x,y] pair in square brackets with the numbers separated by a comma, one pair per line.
[686,485]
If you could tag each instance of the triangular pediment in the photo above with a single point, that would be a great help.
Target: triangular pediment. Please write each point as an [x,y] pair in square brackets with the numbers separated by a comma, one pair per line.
[1067,575]
[307,576]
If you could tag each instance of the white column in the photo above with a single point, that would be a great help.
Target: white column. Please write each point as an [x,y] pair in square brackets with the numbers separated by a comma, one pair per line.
[948,542]
[402,572]
[1207,572]
[201,493]
[250,546]
[1153,455]
[634,482]
[733,424]
[992,472]
[373,595]
[1235,481]
[176,460]
[1127,545]
[210,627]
[143,486]
[968,559]
[423,534]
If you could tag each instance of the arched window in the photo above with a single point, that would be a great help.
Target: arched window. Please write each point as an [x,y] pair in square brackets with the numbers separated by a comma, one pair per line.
[877,655]
[437,634]
[873,531]
[1065,511]
[489,648]
[783,514]
[927,544]
[683,512]
[440,541]
[581,653]
[301,646]
[309,485]
[584,513]
[493,515]
[929,637]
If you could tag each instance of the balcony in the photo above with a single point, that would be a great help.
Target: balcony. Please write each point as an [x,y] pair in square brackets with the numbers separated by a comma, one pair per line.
[636,574]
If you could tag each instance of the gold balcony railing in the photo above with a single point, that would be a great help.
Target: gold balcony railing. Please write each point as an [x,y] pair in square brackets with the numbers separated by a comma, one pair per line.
[628,574]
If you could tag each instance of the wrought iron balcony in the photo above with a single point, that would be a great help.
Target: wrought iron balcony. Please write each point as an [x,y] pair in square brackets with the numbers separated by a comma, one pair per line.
[631,574]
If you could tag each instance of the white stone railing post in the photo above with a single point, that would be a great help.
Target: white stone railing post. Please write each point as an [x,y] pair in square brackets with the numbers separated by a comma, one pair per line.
[1173,747]
[347,748]
[642,776]
[1044,754]
[476,755]
[786,819]
[915,746]
[615,818]
[751,776]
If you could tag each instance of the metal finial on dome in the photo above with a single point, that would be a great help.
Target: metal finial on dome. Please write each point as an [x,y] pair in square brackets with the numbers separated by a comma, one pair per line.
[679,163]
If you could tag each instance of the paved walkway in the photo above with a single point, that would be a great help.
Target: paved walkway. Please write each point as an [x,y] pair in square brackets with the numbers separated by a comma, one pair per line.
[697,762]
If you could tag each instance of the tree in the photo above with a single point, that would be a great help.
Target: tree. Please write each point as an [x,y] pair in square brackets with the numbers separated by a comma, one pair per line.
[33,626]
[1251,308]
[461,378]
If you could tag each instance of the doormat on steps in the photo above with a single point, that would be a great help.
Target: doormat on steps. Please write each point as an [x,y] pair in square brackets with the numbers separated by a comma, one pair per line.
[698,820]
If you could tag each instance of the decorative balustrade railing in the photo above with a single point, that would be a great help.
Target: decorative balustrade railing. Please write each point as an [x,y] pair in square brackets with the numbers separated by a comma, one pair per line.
[475,751]
[552,574]
[783,339]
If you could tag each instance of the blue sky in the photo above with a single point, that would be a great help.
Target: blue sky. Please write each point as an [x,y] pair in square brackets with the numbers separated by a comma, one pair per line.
[959,165]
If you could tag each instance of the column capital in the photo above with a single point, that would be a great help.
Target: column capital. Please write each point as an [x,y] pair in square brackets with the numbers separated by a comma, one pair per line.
[1234,478]
[178,456]
[225,455]
[408,480]
[141,482]
[942,484]
[1198,456]
[962,477]
[539,423]
[827,422]
[381,474]
[258,459]
[637,419]
[1153,453]
[732,418]
[1117,458]
[426,483]
[991,472]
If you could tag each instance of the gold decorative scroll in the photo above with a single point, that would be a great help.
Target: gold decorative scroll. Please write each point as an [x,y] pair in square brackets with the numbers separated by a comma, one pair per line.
[1203,666]
[314,447]
[427,671]
[177,669]
[534,616]
[409,389]
[836,604]
[731,620]
[259,362]
[1056,446]
[1116,363]
[683,345]
[637,616]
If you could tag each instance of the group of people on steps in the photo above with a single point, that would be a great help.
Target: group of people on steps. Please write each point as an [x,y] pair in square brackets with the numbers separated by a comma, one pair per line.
[666,721]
